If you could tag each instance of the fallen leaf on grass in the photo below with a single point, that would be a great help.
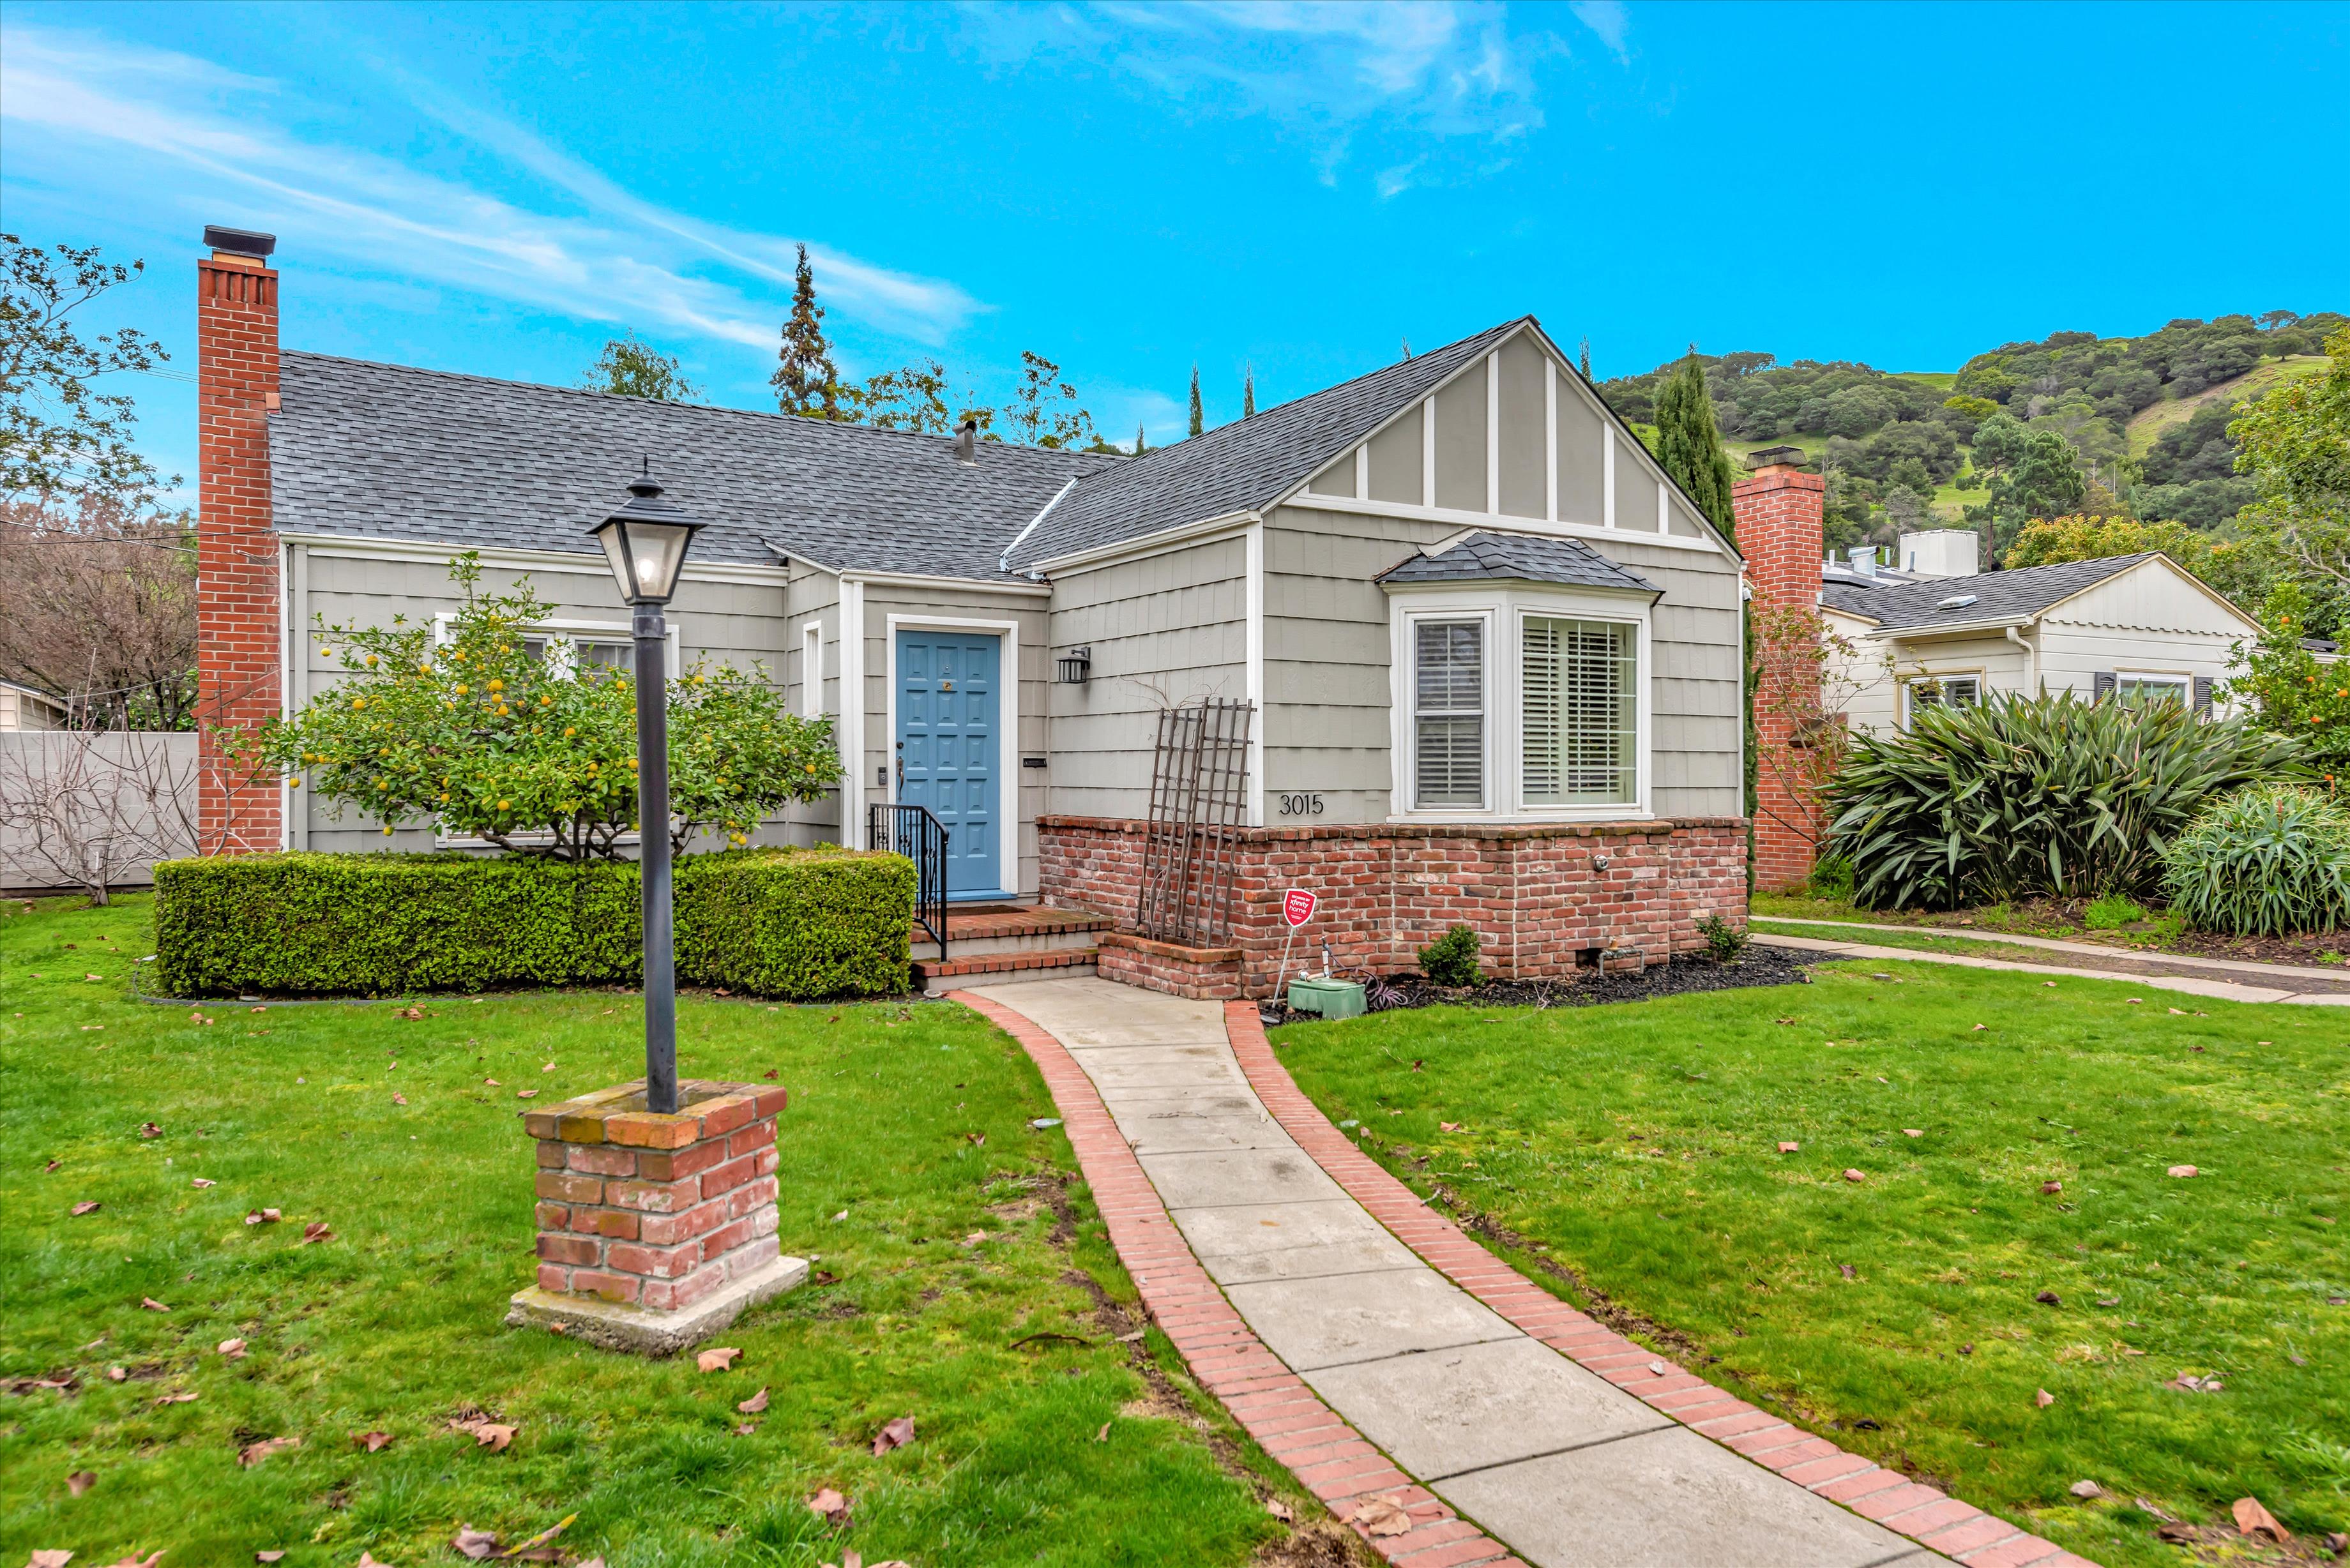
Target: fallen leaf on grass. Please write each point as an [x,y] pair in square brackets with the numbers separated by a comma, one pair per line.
[132,1560]
[717,1360]
[2087,1489]
[272,1556]
[368,1561]
[1279,1511]
[263,1216]
[896,1435]
[149,1129]
[525,1094]
[2253,1520]
[2187,1383]
[770,1073]
[233,1348]
[409,1013]
[548,1068]
[55,1163]
[1381,1515]
[474,1543]
[755,1404]
[487,1434]
[1102,1436]
[44,1559]
[2182,1171]
[373,1442]
[80,1482]
[151,1304]
[253,1454]
[202,1182]
[829,1505]
[180,1398]
[976,1138]
[2134,1001]
[1447,1127]
[316,1231]
[1849,1272]
[746,1429]
[2044,1398]
[1854,1176]
[117,1374]
[2152,1511]
[1913,1132]
[399,1099]
[1789,1147]
[88,1206]
[2049,1298]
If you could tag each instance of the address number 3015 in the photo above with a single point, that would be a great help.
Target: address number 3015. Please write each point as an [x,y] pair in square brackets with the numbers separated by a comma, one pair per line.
[1300,804]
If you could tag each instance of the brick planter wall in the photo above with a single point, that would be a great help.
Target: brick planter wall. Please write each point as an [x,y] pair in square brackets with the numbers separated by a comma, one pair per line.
[1537,896]
[1204,974]
[657,1213]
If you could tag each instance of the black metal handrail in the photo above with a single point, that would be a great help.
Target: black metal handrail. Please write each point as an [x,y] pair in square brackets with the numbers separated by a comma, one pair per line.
[911,831]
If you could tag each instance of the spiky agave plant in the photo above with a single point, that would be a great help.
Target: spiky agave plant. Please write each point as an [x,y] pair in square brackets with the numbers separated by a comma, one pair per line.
[2022,796]
[2264,861]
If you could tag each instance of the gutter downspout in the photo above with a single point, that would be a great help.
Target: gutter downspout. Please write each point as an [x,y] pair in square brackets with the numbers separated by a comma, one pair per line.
[1004,562]
[2030,660]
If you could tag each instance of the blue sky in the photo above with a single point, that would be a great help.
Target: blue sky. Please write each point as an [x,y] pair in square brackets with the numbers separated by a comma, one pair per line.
[1130,190]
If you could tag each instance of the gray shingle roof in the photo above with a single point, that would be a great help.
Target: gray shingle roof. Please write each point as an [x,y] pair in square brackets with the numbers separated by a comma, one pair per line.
[1998,596]
[389,450]
[1247,464]
[1483,556]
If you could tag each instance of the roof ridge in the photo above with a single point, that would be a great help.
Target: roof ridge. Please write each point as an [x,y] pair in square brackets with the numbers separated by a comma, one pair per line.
[799,420]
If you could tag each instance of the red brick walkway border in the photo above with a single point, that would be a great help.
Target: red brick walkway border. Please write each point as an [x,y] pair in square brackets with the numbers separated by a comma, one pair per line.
[1328,1458]
[1932,1519]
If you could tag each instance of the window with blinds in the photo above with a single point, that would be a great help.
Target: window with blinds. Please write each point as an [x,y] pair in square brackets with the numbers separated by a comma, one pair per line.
[1580,686]
[1448,712]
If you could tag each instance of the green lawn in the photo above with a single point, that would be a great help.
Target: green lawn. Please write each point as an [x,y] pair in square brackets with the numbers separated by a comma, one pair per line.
[1912,937]
[1638,1145]
[393,1326]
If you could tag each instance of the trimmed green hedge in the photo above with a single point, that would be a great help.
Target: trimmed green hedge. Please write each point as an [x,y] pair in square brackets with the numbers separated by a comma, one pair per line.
[768,922]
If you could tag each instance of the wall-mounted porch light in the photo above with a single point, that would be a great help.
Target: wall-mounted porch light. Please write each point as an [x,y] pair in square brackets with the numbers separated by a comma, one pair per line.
[1075,667]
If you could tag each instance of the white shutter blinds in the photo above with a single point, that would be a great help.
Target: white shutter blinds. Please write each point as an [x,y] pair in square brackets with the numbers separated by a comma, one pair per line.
[1580,681]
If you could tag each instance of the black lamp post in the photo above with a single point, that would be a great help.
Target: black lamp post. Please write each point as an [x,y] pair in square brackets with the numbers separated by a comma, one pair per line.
[646,541]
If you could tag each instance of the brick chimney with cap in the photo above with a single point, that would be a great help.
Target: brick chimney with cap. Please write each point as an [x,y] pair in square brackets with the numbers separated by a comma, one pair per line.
[238,604]
[1780,511]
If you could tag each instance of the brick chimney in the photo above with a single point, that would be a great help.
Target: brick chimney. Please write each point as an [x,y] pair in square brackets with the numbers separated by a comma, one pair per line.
[1780,513]
[239,648]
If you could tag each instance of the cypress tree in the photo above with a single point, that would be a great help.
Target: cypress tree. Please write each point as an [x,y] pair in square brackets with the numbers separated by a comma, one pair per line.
[806,383]
[1248,393]
[1585,366]
[1689,447]
[1198,423]
[1138,447]
[1406,348]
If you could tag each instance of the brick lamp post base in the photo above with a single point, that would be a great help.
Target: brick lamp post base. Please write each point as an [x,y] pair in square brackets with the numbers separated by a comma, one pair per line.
[655,1232]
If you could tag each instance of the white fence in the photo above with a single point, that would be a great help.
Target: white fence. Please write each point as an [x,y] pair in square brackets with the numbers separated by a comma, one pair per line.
[94,809]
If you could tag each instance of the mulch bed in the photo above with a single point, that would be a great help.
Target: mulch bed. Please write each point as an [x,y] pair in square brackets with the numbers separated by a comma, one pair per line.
[1756,966]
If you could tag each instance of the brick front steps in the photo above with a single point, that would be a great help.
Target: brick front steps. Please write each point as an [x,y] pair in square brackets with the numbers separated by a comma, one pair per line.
[1327,1456]
[997,946]
[1001,969]
[1939,1523]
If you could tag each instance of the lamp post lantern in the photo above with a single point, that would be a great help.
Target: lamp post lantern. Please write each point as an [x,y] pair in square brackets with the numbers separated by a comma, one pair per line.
[646,541]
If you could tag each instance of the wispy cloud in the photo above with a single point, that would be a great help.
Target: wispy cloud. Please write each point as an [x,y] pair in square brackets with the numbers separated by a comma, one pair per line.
[1608,18]
[1341,73]
[617,258]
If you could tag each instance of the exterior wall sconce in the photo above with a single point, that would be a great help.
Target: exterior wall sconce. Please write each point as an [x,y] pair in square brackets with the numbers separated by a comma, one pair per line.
[1075,667]
[1600,862]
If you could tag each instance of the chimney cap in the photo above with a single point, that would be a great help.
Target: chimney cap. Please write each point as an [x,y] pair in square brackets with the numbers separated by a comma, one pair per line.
[240,242]
[1776,456]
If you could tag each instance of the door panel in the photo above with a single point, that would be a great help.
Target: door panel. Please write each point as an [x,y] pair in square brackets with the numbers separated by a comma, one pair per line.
[949,747]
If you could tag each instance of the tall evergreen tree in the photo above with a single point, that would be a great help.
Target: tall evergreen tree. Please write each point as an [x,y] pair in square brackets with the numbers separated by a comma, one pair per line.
[1584,364]
[1248,393]
[806,380]
[1690,447]
[1406,348]
[1197,422]
[1138,447]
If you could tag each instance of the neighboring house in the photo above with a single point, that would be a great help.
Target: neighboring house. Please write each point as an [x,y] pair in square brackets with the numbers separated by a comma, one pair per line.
[1490,653]
[2137,627]
[1934,629]
[28,707]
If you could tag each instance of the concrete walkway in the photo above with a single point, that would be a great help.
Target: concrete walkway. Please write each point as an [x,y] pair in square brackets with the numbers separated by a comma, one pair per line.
[2192,985]
[2248,972]
[1569,1445]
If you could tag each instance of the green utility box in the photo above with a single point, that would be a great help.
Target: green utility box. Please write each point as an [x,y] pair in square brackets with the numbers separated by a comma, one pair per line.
[1330,998]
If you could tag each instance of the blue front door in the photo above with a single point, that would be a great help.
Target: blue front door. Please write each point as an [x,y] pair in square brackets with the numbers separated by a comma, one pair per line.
[951,750]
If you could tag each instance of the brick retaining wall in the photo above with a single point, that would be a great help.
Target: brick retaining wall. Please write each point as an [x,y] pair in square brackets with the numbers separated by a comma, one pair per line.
[1538,897]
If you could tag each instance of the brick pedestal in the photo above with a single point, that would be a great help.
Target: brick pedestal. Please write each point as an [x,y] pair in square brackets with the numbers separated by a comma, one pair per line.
[1204,974]
[656,1231]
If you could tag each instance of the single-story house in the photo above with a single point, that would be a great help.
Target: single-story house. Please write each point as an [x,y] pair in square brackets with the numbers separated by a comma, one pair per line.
[2137,627]
[1479,656]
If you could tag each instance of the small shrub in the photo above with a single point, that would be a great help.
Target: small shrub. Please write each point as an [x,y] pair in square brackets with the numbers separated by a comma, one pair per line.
[792,923]
[2265,861]
[1452,959]
[1831,878]
[2019,797]
[1722,939]
[2111,913]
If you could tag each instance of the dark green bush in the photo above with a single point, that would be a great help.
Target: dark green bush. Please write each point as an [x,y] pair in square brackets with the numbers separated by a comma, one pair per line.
[1722,939]
[1452,959]
[2265,861]
[2024,796]
[788,923]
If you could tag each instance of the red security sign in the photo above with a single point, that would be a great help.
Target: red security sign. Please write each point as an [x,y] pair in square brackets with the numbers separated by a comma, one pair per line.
[1297,906]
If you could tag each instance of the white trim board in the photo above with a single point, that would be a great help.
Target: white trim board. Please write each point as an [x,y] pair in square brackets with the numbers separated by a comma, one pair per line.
[369,548]
[1007,723]
[1499,521]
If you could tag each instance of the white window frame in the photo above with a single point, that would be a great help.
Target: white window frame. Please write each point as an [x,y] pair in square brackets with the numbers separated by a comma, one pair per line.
[1936,678]
[1504,607]
[812,669]
[2178,680]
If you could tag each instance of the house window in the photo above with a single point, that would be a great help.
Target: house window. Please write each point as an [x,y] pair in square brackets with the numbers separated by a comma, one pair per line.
[2136,691]
[565,653]
[1448,712]
[1943,691]
[1579,687]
